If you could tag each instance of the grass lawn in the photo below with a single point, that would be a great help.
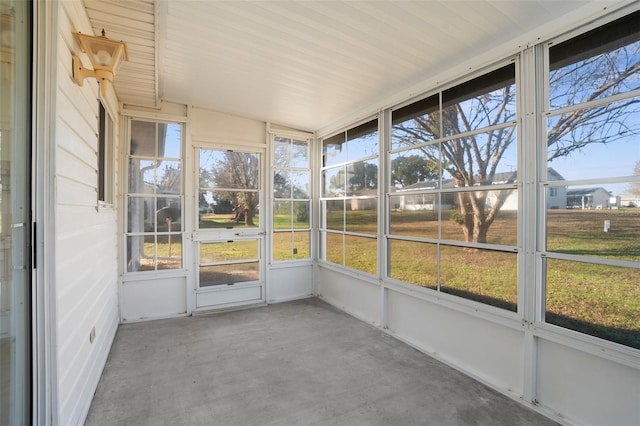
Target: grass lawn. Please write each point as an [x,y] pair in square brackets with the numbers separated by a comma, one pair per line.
[225,221]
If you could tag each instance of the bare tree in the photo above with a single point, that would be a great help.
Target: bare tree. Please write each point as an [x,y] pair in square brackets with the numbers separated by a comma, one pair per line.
[238,176]
[472,159]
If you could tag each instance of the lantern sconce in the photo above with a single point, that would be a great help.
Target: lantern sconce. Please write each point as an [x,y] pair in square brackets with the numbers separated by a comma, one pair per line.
[105,55]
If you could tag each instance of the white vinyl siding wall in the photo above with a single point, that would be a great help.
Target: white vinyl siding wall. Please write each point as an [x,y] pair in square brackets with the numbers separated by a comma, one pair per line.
[85,237]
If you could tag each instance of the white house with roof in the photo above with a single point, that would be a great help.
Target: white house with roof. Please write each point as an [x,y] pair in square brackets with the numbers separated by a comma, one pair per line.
[591,198]
[420,195]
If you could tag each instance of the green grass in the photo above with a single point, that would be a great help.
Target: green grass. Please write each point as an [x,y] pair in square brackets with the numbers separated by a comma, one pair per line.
[582,232]
[225,221]
[285,221]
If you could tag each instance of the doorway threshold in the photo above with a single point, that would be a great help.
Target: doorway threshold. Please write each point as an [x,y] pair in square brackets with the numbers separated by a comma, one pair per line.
[220,310]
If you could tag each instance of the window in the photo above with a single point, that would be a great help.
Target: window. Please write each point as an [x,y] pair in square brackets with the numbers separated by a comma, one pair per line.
[154,197]
[229,184]
[291,199]
[106,146]
[350,198]
[453,195]
[591,255]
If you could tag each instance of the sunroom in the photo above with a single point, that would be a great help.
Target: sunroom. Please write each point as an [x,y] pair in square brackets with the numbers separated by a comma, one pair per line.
[409,163]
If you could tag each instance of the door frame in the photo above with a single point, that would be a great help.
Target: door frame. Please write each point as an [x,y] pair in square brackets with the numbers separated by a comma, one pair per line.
[239,294]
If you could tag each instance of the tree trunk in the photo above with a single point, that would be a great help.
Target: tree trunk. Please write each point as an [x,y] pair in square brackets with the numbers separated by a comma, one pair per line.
[480,232]
[466,212]
[248,215]
[475,225]
[249,209]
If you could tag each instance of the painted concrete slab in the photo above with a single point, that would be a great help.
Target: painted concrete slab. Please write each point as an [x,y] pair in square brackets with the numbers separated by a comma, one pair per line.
[295,363]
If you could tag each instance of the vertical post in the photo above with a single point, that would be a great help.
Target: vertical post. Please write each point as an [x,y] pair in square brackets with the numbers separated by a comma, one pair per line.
[168,220]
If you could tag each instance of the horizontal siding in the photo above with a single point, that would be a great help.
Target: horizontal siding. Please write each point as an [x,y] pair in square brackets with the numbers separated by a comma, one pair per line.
[86,278]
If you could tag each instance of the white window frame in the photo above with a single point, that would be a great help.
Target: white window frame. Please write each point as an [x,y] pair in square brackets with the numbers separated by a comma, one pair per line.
[302,137]
[106,160]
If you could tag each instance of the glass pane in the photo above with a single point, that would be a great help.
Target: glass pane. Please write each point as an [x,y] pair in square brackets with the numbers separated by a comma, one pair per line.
[143,138]
[283,247]
[141,214]
[416,168]
[169,177]
[580,75]
[415,215]
[485,217]
[334,214]
[290,214]
[600,300]
[595,143]
[170,140]
[416,123]
[362,142]
[281,184]
[495,159]
[300,154]
[16,352]
[229,251]
[614,234]
[169,251]
[142,176]
[229,210]
[301,211]
[141,251]
[361,215]
[362,178]
[209,161]
[301,245]
[169,215]
[282,215]
[333,182]
[485,276]
[229,274]
[281,152]
[334,150]
[361,253]
[229,169]
[334,248]
[485,101]
[205,203]
[215,209]
[300,184]
[290,245]
[291,184]
[414,263]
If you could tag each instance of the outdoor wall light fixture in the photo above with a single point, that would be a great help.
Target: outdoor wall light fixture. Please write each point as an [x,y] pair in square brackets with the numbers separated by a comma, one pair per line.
[105,55]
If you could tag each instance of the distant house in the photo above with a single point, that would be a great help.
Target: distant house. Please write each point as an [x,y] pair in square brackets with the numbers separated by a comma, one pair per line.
[367,200]
[630,200]
[591,198]
[419,197]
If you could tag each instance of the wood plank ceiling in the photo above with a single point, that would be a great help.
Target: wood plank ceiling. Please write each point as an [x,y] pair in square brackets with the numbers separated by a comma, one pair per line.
[303,63]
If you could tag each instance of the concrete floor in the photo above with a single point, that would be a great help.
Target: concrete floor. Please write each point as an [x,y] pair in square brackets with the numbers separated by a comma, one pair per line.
[297,363]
